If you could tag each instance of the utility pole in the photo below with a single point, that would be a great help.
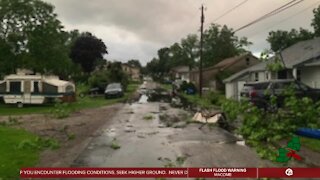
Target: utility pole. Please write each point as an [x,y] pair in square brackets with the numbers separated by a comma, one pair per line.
[201,46]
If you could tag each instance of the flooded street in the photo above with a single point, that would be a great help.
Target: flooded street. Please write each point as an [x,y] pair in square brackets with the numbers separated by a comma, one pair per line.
[136,137]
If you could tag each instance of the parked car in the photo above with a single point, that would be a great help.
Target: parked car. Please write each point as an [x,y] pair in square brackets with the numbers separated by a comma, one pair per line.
[113,90]
[96,91]
[259,93]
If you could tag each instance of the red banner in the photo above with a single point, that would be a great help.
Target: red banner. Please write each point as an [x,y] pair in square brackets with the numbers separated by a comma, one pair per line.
[223,172]
[220,173]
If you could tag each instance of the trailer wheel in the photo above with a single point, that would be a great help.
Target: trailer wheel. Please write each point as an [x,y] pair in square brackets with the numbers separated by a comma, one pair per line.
[20,104]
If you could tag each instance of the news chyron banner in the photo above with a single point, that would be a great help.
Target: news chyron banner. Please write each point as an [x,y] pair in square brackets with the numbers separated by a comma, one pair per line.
[170,173]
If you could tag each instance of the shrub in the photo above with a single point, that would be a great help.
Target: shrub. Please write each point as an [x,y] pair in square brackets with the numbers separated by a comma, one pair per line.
[114,73]
[60,110]
[185,86]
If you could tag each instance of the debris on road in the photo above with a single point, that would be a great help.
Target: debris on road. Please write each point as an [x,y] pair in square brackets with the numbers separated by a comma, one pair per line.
[129,130]
[114,144]
[207,118]
[148,117]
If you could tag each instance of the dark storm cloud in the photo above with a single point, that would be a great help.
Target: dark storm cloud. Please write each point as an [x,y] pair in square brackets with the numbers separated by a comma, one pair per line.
[138,28]
[154,20]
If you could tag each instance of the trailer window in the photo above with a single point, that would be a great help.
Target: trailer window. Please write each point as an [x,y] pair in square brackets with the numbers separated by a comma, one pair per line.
[35,86]
[2,87]
[15,87]
[69,89]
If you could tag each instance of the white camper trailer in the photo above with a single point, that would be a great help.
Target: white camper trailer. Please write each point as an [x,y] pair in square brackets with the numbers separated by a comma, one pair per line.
[33,89]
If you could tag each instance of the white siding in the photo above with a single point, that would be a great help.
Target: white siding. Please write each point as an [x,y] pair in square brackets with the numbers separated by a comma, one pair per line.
[311,76]
[262,76]
[240,85]
[229,90]
[233,89]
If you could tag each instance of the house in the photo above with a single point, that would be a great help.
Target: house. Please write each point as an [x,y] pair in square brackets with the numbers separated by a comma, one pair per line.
[181,73]
[300,61]
[223,68]
[133,72]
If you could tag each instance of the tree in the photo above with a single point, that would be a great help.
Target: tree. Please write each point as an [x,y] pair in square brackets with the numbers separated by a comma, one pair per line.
[7,63]
[220,43]
[190,48]
[87,50]
[34,36]
[163,62]
[280,39]
[134,63]
[153,68]
[178,56]
[316,21]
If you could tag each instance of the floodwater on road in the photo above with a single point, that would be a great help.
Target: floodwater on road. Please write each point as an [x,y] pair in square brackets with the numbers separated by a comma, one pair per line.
[137,138]
[137,130]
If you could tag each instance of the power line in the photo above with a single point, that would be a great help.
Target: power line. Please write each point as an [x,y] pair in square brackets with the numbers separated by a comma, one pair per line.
[230,10]
[294,15]
[272,13]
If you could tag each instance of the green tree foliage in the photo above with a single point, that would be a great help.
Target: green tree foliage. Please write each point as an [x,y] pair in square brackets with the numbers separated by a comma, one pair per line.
[190,46]
[280,39]
[164,60]
[263,130]
[134,63]
[220,43]
[35,37]
[7,63]
[316,21]
[153,69]
[87,50]
[113,73]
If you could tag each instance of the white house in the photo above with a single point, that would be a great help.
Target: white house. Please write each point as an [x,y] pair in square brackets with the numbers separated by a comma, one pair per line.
[301,61]
[181,73]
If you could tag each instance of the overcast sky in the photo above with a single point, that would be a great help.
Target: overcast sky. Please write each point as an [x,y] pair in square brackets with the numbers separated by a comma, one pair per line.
[136,29]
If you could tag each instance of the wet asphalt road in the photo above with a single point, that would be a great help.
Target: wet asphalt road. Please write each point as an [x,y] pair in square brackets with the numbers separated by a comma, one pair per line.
[145,142]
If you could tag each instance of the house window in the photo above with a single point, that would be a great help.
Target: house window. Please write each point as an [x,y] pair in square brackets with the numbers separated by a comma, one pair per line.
[298,74]
[248,61]
[256,76]
[282,74]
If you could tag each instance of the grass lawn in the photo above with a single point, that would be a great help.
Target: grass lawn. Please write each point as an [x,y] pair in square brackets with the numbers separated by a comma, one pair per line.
[313,144]
[13,155]
[208,101]
[82,103]
[166,86]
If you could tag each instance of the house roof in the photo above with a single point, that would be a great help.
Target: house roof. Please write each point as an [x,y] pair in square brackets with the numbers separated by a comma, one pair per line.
[228,62]
[301,52]
[57,82]
[258,67]
[181,69]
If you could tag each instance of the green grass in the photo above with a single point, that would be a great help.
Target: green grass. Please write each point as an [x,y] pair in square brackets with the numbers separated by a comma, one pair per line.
[148,117]
[14,154]
[210,100]
[313,144]
[166,86]
[114,144]
[82,103]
